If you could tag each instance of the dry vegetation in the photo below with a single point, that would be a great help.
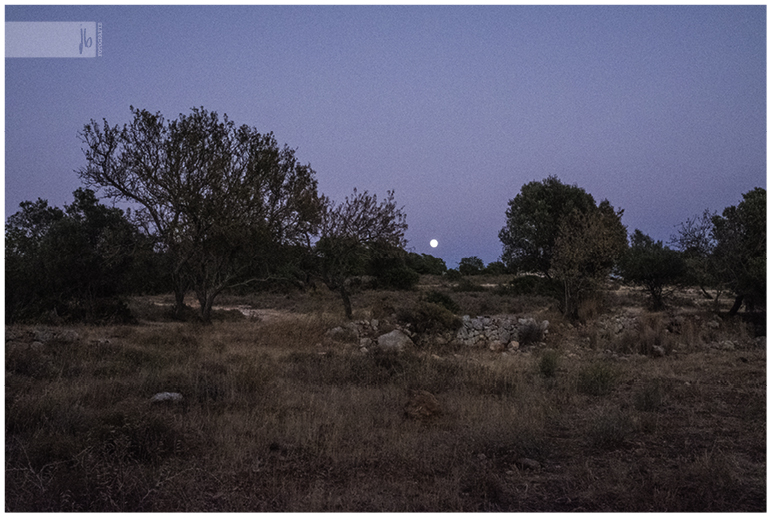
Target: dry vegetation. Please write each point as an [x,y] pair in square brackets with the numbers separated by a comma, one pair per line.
[278,417]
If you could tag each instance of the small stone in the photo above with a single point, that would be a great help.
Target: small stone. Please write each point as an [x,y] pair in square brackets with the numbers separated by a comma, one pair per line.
[658,351]
[513,345]
[166,396]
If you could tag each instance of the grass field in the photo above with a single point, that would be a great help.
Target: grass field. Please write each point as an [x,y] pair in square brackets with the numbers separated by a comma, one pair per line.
[277,416]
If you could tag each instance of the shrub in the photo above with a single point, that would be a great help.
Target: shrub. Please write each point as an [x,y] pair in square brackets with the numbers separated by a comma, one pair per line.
[471,266]
[466,285]
[453,275]
[399,278]
[596,379]
[549,360]
[429,317]
[444,300]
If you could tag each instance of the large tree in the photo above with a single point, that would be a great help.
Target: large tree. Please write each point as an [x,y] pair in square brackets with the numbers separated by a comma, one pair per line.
[653,266]
[588,246]
[350,234]
[533,221]
[218,198]
[72,263]
[741,248]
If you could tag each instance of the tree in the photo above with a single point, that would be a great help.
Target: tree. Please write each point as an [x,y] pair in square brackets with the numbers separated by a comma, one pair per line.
[533,220]
[74,262]
[652,265]
[218,199]
[741,248]
[425,264]
[695,240]
[349,234]
[470,266]
[587,247]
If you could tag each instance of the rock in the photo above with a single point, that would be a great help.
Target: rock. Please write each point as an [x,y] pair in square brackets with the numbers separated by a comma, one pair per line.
[422,405]
[394,341]
[68,336]
[365,342]
[496,346]
[529,464]
[43,335]
[374,324]
[166,396]
[658,351]
[513,345]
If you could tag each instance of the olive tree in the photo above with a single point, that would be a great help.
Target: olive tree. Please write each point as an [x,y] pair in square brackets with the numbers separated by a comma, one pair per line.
[741,249]
[588,246]
[653,266]
[350,233]
[74,263]
[218,198]
[533,221]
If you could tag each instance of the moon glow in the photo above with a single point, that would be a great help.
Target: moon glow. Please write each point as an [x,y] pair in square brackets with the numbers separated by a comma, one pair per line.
[434,243]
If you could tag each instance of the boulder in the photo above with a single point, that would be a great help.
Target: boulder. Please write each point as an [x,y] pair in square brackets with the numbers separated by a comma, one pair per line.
[394,341]
[496,346]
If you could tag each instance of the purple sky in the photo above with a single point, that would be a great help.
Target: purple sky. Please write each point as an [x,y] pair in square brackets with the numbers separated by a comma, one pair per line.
[661,110]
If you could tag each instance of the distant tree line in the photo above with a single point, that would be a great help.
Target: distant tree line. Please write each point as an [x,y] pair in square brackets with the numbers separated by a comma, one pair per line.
[215,207]
[559,233]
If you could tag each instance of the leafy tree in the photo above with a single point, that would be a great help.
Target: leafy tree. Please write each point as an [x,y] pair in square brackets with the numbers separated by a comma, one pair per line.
[495,268]
[349,235]
[652,265]
[695,240]
[741,248]
[470,266]
[71,261]
[533,221]
[218,199]
[425,264]
[588,246]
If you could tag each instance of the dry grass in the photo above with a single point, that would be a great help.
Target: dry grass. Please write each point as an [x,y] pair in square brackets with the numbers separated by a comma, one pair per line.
[278,418]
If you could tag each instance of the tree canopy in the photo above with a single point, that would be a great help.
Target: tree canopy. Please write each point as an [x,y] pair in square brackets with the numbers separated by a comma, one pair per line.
[741,248]
[653,266]
[351,233]
[533,221]
[70,262]
[218,198]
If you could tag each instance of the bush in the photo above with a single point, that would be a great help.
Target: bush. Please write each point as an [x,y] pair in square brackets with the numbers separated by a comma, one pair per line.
[399,278]
[453,275]
[466,285]
[596,379]
[549,360]
[444,300]
[427,317]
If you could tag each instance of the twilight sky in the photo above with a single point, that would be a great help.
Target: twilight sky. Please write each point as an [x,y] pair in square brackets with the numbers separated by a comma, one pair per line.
[660,110]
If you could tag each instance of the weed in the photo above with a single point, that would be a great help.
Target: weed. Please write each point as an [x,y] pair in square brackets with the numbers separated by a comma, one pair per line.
[596,379]
[549,361]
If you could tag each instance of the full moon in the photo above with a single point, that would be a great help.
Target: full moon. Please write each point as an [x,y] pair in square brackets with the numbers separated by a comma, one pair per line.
[434,243]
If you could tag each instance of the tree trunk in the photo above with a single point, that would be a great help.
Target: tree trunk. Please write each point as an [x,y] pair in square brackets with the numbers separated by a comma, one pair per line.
[736,305]
[179,302]
[346,302]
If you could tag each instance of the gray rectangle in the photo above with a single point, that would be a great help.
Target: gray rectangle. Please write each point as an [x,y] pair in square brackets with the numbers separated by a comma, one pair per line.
[50,39]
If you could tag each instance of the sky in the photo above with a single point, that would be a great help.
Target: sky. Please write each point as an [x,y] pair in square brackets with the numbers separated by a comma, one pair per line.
[661,110]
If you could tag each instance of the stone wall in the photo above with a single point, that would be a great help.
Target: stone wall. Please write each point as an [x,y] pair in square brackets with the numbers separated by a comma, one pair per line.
[500,332]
